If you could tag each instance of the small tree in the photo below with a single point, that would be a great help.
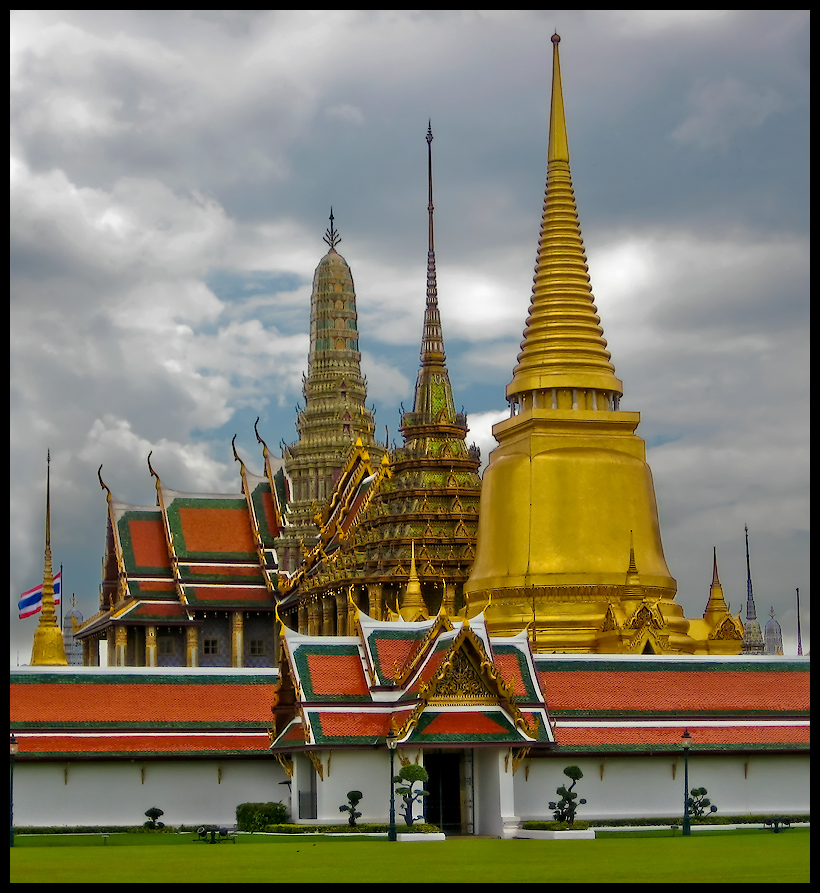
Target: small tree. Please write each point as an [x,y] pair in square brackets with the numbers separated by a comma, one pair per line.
[698,803]
[354,797]
[153,814]
[565,807]
[407,777]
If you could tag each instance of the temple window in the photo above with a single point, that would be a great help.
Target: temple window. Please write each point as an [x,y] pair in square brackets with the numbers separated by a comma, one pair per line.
[210,646]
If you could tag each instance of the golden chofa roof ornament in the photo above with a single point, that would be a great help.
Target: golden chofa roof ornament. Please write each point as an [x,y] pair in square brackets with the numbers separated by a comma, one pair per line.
[48,649]
[568,480]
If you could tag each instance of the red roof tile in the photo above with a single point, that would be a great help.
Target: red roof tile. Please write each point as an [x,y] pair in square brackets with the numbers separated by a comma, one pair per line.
[216,530]
[148,543]
[336,674]
[596,735]
[636,690]
[137,702]
[392,654]
[127,745]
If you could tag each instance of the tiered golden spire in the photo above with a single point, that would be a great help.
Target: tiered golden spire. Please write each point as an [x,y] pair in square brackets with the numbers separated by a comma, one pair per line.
[717,603]
[567,490]
[412,605]
[49,648]
[563,344]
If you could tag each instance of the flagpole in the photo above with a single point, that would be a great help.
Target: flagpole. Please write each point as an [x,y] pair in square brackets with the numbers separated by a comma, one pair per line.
[62,587]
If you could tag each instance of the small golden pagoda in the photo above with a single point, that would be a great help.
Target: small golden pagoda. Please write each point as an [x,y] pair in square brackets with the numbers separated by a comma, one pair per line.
[718,632]
[49,648]
[569,540]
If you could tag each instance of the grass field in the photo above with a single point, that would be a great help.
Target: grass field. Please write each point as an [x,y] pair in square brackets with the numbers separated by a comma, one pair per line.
[753,856]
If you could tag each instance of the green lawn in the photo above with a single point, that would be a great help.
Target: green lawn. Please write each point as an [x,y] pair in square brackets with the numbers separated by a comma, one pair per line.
[722,857]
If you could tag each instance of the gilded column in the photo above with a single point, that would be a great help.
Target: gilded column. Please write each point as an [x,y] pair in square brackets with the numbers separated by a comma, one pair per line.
[341,613]
[303,619]
[237,639]
[375,600]
[313,617]
[328,616]
[449,598]
[150,646]
[192,647]
[120,645]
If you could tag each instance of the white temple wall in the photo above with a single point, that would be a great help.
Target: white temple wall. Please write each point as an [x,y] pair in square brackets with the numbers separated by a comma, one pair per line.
[367,771]
[646,786]
[190,792]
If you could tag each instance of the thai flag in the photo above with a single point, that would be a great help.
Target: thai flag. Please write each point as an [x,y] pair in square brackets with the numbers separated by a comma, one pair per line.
[31,602]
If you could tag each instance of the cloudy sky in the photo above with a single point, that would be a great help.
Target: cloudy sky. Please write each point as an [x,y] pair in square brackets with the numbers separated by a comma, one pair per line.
[172,174]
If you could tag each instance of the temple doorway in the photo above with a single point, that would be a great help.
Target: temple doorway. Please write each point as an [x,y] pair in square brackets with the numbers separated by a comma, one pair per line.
[449,805]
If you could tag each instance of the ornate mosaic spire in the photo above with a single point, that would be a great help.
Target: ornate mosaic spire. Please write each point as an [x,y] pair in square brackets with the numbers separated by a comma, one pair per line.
[752,636]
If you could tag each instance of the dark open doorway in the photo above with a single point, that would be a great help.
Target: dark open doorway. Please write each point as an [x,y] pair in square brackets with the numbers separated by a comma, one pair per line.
[445,804]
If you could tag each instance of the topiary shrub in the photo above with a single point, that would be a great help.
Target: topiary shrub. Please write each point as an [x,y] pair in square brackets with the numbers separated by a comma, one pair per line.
[407,777]
[354,798]
[698,803]
[153,814]
[257,816]
[566,807]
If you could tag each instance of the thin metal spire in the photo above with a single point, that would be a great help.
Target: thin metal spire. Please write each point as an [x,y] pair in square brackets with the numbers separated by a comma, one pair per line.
[751,613]
[331,235]
[799,640]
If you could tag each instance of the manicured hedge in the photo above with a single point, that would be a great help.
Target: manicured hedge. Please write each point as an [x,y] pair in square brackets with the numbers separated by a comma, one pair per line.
[256,816]
[555,826]
[368,828]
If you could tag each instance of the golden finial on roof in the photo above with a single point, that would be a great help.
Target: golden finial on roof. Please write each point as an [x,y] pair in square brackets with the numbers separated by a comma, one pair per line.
[48,649]
[331,235]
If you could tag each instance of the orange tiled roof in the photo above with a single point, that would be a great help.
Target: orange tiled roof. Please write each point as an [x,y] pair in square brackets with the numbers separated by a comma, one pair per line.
[678,688]
[129,746]
[148,542]
[597,736]
[127,700]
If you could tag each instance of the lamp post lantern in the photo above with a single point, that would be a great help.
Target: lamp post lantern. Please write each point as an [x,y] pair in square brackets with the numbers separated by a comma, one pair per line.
[686,738]
[13,748]
[392,742]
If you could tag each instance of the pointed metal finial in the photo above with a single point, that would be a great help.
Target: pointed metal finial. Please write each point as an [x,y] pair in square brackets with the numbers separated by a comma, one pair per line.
[799,640]
[331,235]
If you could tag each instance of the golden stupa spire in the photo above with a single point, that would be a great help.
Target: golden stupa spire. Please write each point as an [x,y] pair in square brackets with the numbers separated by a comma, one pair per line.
[563,348]
[716,603]
[568,485]
[48,649]
[412,605]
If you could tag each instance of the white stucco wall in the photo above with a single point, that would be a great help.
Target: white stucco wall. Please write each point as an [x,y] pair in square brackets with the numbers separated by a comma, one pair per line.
[367,771]
[118,793]
[644,786]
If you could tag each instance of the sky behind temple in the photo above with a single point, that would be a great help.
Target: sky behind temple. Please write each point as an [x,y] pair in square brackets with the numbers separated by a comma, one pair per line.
[172,174]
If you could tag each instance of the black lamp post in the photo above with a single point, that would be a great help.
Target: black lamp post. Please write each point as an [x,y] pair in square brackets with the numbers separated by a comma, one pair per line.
[686,738]
[392,742]
[13,748]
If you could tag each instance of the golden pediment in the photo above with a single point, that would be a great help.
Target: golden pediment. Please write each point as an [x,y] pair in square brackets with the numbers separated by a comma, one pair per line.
[460,682]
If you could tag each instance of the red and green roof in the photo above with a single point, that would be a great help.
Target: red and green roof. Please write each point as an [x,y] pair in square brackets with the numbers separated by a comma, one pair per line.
[126,714]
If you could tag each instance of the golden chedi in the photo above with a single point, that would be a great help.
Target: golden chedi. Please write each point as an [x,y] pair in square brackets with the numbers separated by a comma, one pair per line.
[568,490]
